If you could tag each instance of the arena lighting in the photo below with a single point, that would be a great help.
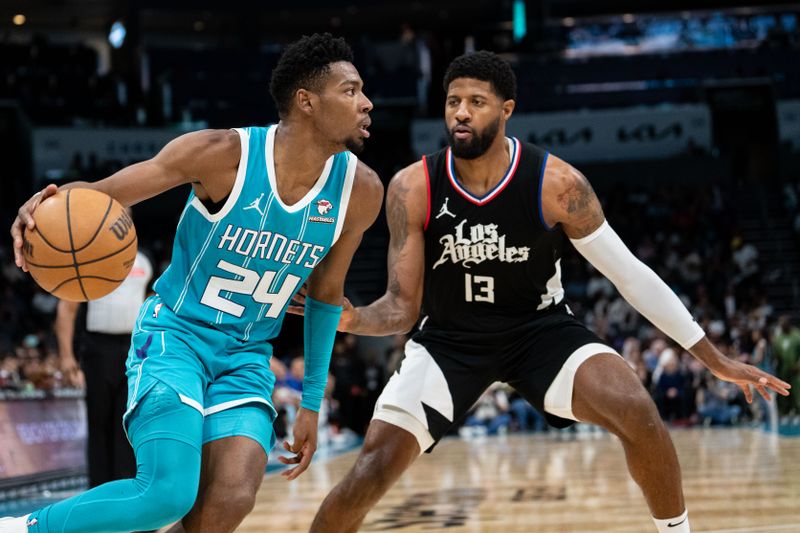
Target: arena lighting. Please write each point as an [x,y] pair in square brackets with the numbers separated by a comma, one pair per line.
[117,34]
[520,25]
[569,22]
[19,19]
[628,18]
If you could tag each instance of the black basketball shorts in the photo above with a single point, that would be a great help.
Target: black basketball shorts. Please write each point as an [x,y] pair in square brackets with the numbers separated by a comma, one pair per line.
[445,372]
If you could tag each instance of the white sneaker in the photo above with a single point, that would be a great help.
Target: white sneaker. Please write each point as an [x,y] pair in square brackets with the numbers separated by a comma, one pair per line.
[12,524]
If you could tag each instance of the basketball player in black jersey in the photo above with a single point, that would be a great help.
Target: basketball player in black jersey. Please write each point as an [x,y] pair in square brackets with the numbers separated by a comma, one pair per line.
[476,233]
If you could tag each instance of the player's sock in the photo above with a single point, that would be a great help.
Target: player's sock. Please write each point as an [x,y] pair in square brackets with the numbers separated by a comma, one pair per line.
[679,524]
[166,436]
[14,525]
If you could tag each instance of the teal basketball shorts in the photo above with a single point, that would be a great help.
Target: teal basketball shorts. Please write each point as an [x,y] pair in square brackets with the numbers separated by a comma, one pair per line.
[210,370]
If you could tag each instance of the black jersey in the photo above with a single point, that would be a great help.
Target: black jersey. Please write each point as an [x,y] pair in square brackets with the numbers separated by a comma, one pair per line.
[491,263]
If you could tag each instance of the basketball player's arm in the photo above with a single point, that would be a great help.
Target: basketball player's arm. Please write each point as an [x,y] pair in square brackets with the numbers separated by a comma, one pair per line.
[398,309]
[326,282]
[208,159]
[64,327]
[568,200]
[322,310]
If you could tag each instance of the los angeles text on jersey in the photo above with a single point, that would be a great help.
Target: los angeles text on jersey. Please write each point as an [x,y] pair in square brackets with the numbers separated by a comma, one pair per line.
[270,246]
[479,243]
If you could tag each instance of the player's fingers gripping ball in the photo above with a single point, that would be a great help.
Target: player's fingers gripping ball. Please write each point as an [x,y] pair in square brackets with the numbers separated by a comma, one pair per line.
[83,246]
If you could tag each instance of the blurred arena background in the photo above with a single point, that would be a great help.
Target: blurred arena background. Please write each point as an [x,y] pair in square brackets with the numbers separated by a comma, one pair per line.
[684,115]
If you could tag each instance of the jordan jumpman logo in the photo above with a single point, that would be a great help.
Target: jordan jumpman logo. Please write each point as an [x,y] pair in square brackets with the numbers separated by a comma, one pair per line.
[255,205]
[444,211]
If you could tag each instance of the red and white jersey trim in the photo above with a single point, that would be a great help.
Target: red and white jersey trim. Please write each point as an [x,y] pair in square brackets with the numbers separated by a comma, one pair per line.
[497,189]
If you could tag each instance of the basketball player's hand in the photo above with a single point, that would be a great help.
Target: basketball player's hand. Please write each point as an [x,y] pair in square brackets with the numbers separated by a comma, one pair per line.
[25,220]
[304,445]
[73,375]
[348,311]
[746,376]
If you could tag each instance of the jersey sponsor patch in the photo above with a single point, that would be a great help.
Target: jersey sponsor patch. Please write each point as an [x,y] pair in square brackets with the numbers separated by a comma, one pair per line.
[323,208]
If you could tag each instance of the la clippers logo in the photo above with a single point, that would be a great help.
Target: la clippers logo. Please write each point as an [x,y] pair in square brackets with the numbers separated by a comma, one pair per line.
[323,208]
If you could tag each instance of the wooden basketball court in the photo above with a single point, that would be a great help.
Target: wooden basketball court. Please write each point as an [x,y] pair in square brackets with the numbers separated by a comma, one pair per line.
[735,480]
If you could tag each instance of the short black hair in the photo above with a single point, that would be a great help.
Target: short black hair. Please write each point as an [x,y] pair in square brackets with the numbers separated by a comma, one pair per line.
[303,65]
[484,66]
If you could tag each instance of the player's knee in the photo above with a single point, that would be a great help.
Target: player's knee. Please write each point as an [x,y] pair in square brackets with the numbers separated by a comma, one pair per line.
[634,416]
[232,500]
[376,467]
[169,501]
[169,496]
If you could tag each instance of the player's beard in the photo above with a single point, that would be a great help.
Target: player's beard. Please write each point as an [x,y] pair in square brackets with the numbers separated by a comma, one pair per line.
[355,146]
[477,145]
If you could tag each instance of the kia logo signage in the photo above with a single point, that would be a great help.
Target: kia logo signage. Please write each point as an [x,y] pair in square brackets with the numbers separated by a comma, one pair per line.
[562,137]
[650,133]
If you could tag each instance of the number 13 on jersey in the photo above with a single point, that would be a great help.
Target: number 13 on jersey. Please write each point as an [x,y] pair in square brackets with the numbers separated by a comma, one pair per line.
[479,288]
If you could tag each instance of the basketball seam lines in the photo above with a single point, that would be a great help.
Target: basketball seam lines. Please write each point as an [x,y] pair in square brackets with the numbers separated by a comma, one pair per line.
[48,243]
[134,240]
[72,247]
[99,226]
[86,277]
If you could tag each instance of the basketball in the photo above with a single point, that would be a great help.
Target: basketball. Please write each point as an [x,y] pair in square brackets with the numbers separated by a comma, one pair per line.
[83,246]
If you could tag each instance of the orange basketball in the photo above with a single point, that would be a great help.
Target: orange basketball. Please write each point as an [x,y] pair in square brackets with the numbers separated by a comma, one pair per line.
[83,246]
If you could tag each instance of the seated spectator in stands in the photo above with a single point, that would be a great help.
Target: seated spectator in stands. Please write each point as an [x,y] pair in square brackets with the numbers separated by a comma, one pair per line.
[491,411]
[761,350]
[745,256]
[695,380]
[10,378]
[653,353]
[285,399]
[622,318]
[632,353]
[294,378]
[715,402]
[526,417]
[786,346]
[670,387]
[350,390]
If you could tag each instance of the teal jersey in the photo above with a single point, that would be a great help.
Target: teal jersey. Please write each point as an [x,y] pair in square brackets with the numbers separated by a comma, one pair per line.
[237,269]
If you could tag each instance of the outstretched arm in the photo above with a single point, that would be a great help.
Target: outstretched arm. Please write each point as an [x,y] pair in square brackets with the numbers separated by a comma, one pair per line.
[568,199]
[208,159]
[398,309]
[326,282]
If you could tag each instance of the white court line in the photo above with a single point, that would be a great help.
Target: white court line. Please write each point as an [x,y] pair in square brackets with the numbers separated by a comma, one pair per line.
[795,527]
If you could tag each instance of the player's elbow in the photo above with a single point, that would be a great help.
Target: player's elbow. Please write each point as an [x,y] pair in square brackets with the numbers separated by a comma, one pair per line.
[408,318]
[406,325]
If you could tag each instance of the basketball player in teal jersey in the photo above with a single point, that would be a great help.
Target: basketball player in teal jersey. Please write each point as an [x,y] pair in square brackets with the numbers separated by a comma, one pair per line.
[476,231]
[270,208]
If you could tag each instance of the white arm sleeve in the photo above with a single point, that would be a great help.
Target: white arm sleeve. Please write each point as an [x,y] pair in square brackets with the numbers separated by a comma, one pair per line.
[639,285]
